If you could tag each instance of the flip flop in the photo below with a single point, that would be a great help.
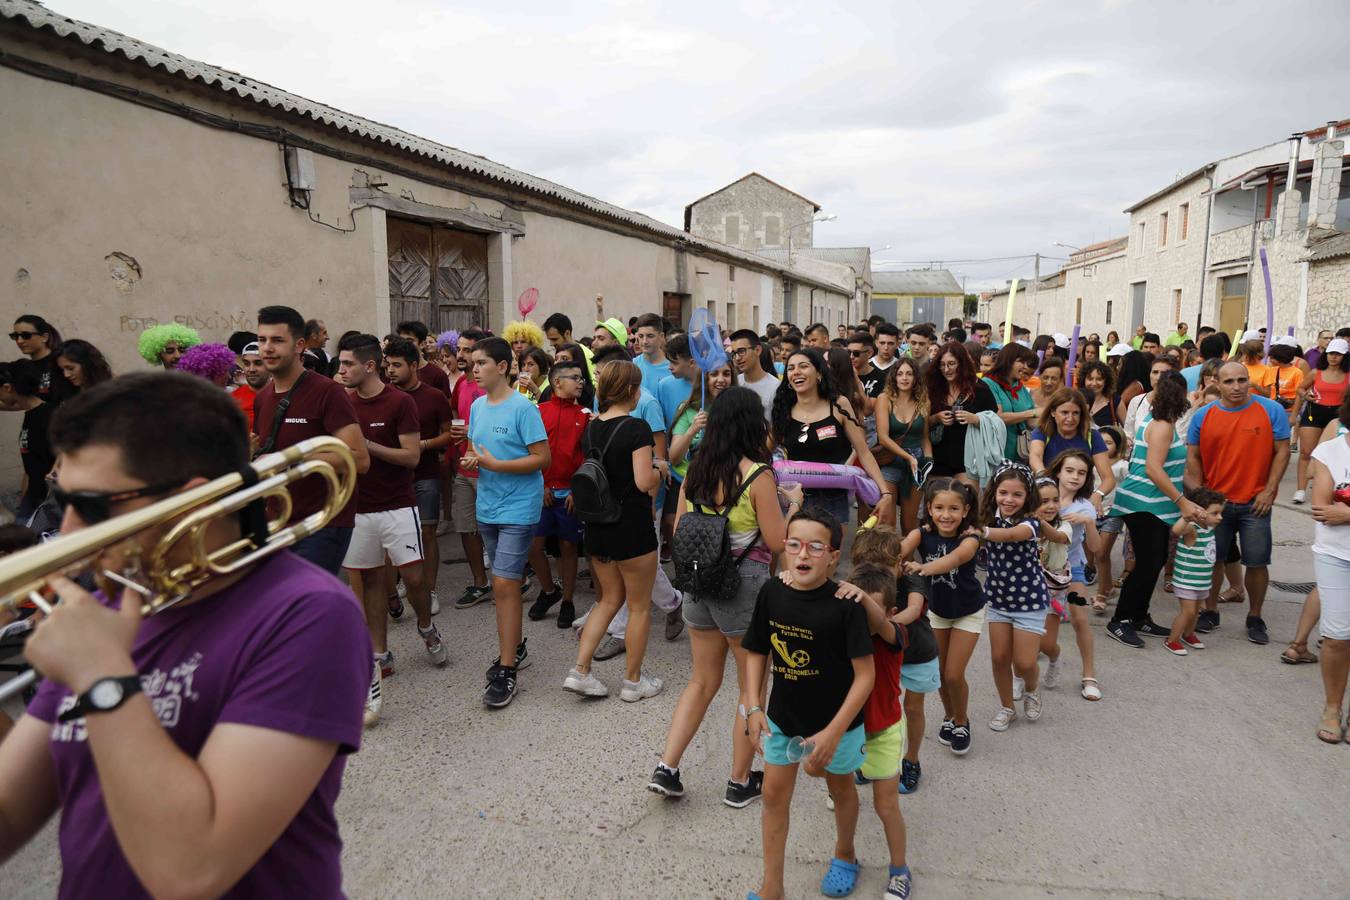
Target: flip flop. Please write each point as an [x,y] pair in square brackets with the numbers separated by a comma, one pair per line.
[1232,596]
[840,879]
[1305,656]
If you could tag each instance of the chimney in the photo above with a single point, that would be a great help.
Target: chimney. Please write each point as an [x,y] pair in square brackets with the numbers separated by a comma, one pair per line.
[1326,181]
[1287,218]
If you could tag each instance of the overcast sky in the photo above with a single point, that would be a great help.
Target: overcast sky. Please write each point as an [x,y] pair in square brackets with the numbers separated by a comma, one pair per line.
[949,131]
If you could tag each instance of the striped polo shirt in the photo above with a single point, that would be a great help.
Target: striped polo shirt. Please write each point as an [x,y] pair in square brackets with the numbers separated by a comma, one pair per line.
[1138,493]
[1193,567]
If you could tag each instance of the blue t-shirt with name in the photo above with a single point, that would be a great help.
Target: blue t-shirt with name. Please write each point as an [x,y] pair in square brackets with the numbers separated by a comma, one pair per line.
[1058,443]
[506,430]
[652,373]
[670,393]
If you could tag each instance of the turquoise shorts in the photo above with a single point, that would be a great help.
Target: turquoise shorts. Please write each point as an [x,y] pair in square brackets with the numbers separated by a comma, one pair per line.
[848,756]
[921,678]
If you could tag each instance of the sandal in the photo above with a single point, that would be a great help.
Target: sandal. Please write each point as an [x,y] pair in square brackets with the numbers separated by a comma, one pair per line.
[1299,656]
[1099,604]
[1232,595]
[1333,735]
[1091,689]
[840,879]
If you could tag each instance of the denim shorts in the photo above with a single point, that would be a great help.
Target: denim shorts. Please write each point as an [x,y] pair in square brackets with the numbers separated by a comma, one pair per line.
[921,678]
[1252,532]
[835,502]
[508,548]
[1033,621]
[326,548]
[428,494]
[1111,524]
[1333,583]
[556,521]
[848,756]
[1077,574]
[732,618]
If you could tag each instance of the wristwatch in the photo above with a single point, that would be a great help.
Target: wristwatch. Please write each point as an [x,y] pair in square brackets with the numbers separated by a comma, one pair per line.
[103,695]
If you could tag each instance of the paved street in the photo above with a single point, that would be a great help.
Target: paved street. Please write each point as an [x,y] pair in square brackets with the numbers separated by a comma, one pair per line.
[1195,777]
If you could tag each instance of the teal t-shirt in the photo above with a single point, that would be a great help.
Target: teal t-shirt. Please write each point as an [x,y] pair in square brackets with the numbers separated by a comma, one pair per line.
[1007,403]
[507,429]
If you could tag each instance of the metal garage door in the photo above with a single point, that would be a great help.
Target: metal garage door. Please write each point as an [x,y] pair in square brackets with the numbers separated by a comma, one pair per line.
[930,309]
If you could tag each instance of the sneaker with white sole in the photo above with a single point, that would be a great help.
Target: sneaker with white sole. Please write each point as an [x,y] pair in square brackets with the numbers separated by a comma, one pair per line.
[587,685]
[386,662]
[435,646]
[473,595]
[1019,687]
[1031,705]
[1300,497]
[1176,647]
[1002,719]
[1052,673]
[1193,641]
[373,700]
[944,734]
[501,687]
[960,744]
[646,686]
[522,657]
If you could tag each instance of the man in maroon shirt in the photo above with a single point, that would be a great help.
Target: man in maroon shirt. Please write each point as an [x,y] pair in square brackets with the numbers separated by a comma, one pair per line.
[428,372]
[314,406]
[433,414]
[386,514]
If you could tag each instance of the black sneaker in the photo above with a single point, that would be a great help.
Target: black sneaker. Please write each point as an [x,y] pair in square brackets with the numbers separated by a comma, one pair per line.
[1256,630]
[1207,621]
[739,796]
[909,776]
[544,602]
[960,744]
[1150,628]
[522,658]
[666,783]
[1124,633]
[566,613]
[1089,575]
[395,607]
[501,687]
[945,732]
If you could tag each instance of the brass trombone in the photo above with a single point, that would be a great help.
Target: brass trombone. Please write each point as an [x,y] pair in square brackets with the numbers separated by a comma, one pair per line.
[150,573]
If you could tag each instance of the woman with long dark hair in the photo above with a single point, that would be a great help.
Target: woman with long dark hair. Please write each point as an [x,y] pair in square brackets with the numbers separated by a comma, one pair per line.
[1132,379]
[955,399]
[902,428]
[811,422]
[82,365]
[1016,402]
[39,340]
[1066,425]
[735,451]
[691,417]
[1098,384]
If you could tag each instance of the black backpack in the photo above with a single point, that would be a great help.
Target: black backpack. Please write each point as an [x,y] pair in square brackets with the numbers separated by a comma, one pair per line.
[701,550]
[593,501]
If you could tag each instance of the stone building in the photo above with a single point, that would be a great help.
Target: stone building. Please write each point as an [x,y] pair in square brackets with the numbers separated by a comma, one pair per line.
[753,213]
[141,187]
[917,295]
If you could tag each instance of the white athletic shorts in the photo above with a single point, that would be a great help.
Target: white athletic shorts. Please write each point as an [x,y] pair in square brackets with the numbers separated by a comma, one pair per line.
[396,532]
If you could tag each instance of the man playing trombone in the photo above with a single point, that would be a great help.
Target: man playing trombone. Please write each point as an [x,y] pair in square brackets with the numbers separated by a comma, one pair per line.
[200,751]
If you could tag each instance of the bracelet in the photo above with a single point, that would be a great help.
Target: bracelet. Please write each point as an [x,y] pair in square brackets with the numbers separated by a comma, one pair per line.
[752,710]
[1099,493]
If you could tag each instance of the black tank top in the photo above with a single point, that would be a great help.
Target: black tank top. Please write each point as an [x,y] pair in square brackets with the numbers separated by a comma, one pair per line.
[823,441]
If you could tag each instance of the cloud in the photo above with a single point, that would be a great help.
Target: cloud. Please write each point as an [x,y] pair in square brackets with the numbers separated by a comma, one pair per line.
[946,130]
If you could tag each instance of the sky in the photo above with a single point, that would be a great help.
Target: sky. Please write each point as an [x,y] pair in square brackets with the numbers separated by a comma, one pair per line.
[944,131]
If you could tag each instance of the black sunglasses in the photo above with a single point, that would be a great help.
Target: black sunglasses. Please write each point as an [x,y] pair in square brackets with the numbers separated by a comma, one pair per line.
[94,507]
[23,335]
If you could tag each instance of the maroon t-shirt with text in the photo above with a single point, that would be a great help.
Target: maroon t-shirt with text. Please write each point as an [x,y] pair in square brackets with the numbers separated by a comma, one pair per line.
[383,418]
[433,412]
[435,376]
[320,407]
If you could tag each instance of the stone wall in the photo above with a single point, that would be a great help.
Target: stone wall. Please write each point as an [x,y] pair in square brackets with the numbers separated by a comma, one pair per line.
[1328,296]
[750,202]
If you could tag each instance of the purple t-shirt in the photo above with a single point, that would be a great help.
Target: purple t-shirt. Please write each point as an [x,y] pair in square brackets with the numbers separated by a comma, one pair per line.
[285,648]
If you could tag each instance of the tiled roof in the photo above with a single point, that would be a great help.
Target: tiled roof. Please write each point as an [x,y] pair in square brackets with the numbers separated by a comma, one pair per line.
[1331,248]
[915,281]
[859,258]
[112,42]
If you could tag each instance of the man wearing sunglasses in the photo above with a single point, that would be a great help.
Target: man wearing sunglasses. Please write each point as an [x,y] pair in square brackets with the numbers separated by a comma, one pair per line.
[861,346]
[198,751]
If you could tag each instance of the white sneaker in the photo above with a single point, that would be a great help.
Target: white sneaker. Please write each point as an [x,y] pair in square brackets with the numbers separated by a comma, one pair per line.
[1019,686]
[373,700]
[1300,496]
[646,686]
[1052,673]
[1031,706]
[1002,719]
[587,685]
[435,605]
[402,590]
[435,646]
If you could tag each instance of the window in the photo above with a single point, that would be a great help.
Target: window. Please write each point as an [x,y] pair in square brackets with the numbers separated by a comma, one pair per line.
[754,317]
[1142,226]
[1185,225]
[733,226]
[1078,310]
[1108,312]
[773,231]
[1176,305]
[1162,230]
[731,315]
[732,271]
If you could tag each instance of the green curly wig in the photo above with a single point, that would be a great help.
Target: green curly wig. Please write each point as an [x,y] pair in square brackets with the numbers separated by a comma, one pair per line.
[154,340]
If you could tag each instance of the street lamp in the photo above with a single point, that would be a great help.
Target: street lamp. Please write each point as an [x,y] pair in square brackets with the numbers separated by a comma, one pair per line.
[818,217]
[1067,246]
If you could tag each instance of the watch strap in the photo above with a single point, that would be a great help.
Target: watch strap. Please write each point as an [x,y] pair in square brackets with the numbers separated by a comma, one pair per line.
[131,686]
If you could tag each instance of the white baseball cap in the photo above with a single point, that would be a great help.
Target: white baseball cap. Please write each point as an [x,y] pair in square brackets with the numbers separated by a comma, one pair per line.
[1339,345]
[1252,336]
[1285,340]
[1061,340]
[1118,350]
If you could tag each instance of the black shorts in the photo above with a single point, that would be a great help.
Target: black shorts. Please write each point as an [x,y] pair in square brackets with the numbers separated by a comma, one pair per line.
[1315,415]
[632,536]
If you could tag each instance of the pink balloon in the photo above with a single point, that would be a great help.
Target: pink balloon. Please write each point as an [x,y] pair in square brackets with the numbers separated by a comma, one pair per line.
[528,301]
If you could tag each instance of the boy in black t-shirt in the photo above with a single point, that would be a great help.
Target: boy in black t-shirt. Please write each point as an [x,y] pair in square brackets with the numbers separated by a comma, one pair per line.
[822,664]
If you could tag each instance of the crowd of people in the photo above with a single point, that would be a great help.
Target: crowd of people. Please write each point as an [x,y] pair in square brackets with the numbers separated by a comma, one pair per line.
[1014,487]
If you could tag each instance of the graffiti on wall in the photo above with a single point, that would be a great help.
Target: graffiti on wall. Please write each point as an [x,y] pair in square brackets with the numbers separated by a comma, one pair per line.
[202,321]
